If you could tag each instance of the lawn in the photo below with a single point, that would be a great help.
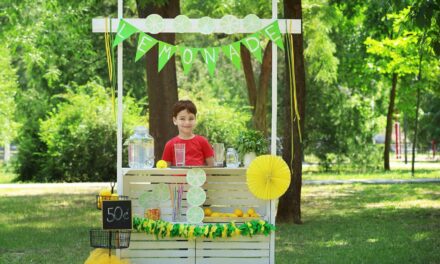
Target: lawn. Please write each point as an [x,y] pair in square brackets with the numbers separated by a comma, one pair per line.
[358,223]
[397,223]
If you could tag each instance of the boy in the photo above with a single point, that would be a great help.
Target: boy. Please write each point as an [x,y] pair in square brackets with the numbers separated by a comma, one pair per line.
[198,151]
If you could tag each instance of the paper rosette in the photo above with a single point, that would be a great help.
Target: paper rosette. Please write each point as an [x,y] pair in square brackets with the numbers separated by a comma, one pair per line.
[268,177]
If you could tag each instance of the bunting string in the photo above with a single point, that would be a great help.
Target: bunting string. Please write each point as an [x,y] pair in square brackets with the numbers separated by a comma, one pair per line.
[210,55]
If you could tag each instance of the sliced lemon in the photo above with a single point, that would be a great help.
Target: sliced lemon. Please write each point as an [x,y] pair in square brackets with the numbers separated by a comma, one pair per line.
[161,192]
[195,215]
[196,196]
[196,177]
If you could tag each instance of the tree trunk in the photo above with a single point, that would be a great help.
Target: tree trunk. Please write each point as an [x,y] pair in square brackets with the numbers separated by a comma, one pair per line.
[161,86]
[415,132]
[389,128]
[257,95]
[404,138]
[289,209]
[419,79]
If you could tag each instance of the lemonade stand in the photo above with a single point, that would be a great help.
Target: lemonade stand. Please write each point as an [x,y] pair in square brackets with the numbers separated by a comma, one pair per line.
[213,215]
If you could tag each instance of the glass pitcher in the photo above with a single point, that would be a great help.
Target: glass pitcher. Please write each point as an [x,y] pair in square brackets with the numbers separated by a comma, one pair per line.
[232,158]
[141,149]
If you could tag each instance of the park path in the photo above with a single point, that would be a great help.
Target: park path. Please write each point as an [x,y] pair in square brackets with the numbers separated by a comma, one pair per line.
[13,189]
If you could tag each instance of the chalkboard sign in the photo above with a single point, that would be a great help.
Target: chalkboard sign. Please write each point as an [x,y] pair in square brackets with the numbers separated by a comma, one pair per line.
[116,214]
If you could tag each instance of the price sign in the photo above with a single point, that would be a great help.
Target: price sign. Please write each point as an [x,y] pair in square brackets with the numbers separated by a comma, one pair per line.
[116,214]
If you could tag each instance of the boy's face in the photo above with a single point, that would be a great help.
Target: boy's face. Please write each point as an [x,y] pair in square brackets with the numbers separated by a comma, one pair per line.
[185,122]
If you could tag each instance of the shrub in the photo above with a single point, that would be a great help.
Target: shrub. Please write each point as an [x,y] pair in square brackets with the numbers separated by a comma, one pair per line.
[80,135]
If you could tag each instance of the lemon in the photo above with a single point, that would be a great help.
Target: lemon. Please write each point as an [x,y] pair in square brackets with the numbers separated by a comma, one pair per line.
[208,211]
[238,212]
[215,214]
[245,215]
[105,192]
[161,164]
[114,197]
[251,211]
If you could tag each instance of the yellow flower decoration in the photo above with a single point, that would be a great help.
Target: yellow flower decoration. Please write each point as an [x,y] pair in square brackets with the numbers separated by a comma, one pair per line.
[268,177]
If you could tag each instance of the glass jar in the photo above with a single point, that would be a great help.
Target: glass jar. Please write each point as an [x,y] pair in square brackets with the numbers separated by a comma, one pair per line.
[231,158]
[140,149]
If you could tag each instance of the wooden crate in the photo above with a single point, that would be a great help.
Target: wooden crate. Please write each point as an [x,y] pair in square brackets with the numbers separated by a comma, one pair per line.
[226,190]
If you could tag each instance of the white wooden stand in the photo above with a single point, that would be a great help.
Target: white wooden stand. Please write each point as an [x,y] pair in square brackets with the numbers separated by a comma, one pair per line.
[243,250]
[226,190]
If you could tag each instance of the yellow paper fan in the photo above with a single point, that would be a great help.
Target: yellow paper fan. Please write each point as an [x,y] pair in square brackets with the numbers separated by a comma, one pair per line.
[268,177]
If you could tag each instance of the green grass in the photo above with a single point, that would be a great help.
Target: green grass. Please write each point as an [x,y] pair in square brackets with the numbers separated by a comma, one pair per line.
[7,177]
[358,223]
[396,223]
[49,228]
[393,174]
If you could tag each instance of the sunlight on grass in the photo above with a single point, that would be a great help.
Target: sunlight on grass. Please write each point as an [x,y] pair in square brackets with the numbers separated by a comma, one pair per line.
[421,236]
[406,204]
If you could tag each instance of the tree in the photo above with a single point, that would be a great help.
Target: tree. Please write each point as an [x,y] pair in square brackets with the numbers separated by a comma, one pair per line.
[161,86]
[394,52]
[258,94]
[289,209]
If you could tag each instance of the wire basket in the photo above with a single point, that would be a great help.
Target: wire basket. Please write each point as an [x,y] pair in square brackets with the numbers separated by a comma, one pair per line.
[100,198]
[111,239]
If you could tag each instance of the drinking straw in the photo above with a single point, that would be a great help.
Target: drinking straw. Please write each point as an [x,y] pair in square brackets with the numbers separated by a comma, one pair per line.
[180,200]
[170,186]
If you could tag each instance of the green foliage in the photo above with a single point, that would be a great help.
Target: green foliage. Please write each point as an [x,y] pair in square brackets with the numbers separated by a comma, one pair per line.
[220,123]
[320,49]
[252,141]
[80,135]
[8,91]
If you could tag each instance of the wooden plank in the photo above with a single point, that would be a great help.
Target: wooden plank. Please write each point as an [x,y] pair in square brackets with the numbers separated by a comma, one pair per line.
[161,244]
[234,260]
[257,238]
[209,219]
[98,25]
[172,253]
[148,237]
[232,245]
[189,260]
[232,253]
[174,171]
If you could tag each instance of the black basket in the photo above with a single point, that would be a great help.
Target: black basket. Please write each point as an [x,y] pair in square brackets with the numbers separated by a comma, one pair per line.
[111,239]
[100,198]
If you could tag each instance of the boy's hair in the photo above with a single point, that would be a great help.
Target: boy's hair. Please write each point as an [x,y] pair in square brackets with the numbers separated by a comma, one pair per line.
[184,105]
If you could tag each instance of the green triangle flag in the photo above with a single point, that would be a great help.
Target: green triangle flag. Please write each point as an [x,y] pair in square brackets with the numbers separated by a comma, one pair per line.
[125,30]
[187,56]
[210,56]
[272,31]
[166,51]
[232,51]
[145,43]
[252,43]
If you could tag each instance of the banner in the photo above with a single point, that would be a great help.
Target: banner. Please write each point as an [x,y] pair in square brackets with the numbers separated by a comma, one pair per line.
[252,43]
[210,55]
[232,51]
[166,51]
[187,56]
[274,34]
[145,43]
[125,30]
